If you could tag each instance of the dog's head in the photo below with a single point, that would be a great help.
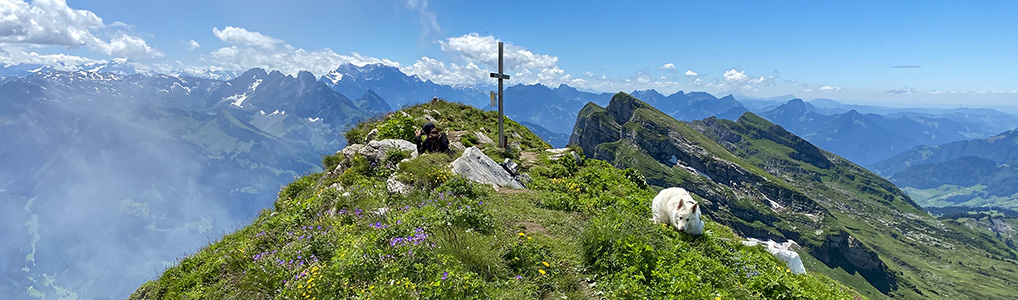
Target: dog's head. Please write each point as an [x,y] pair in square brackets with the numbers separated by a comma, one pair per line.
[686,214]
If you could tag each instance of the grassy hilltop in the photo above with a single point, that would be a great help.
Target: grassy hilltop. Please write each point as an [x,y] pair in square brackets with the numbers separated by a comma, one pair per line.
[579,230]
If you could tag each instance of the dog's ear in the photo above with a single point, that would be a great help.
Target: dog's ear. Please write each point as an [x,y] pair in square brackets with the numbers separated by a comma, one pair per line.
[680,205]
[696,207]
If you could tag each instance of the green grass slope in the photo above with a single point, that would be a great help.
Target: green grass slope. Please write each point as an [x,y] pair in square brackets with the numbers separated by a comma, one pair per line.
[763,181]
[578,231]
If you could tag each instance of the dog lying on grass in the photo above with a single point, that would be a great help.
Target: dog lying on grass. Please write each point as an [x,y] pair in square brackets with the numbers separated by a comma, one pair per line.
[676,207]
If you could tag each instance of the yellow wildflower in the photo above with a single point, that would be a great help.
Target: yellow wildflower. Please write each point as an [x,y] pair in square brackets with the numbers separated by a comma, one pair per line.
[545,263]
[522,234]
[541,271]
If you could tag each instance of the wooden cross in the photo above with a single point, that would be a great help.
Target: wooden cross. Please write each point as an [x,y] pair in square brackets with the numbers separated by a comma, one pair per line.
[501,116]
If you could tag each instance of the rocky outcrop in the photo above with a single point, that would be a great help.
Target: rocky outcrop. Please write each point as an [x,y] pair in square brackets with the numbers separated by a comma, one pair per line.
[375,151]
[476,166]
[594,128]
[559,153]
[844,251]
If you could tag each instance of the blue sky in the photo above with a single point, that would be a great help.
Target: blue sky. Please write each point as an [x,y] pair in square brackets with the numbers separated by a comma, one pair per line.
[929,53]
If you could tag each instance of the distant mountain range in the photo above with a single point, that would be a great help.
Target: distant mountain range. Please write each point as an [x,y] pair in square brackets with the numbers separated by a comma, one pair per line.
[979,172]
[107,177]
[868,138]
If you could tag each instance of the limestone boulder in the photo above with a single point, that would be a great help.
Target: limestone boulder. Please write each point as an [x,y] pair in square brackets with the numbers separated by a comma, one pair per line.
[476,166]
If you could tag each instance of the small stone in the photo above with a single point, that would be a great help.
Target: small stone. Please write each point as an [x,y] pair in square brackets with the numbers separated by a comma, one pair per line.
[396,187]
[371,135]
[483,139]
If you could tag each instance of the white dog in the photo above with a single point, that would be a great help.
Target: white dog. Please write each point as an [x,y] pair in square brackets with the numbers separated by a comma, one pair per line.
[676,207]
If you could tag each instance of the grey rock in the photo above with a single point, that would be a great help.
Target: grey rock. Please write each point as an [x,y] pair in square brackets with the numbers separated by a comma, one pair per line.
[384,146]
[371,135]
[476,166]
[429,118]
[483,139]
[374,151]
[351,150]
[457,146]
[396,187]
[516,145]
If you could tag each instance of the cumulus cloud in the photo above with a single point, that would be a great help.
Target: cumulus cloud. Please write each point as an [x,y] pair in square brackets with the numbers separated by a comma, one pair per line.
[738,80]
[192,45]
[250,49]
[237,36]
[828,88]
[11,54]
[588,73]
[667,67]
[53,23]
[472,47]
[691,73]
[473,56]
[437,71]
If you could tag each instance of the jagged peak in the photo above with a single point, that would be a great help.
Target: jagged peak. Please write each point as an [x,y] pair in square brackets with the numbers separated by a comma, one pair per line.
[253,73]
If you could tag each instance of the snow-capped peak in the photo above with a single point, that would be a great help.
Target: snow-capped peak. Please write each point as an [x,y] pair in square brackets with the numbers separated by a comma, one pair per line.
[333,77]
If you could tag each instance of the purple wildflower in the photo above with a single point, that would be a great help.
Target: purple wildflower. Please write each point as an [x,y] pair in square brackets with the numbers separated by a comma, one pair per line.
[444,275]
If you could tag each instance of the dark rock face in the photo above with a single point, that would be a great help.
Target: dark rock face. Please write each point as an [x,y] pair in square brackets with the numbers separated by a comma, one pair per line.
[591,130]
[844,251]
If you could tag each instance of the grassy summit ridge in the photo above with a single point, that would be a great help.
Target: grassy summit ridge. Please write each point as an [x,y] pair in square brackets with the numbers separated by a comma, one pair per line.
[581,230]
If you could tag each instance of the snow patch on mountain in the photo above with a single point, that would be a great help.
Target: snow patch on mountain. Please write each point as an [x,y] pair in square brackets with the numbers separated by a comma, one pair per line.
[238,99]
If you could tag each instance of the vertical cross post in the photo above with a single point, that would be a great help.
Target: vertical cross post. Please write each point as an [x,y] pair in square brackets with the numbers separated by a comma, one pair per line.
[501,116]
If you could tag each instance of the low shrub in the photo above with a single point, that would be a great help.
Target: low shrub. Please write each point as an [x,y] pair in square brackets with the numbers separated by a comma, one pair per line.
[398,126]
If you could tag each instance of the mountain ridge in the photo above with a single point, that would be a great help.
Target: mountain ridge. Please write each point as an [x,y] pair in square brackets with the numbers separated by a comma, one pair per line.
[845,210]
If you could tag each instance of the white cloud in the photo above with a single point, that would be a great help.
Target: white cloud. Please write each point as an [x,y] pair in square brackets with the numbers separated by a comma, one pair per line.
[588,73]
[11,54]
[192,45]
[738,80]
[427,18]
[904,90]
[691,73]
[255,50]
[475,56]
[484,50]
[828,88]
[667,67]
[429,68]
[53,23]
[237,36]
[125,45]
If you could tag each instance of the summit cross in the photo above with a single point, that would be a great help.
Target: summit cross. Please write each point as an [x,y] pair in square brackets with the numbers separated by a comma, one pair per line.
[501,116]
